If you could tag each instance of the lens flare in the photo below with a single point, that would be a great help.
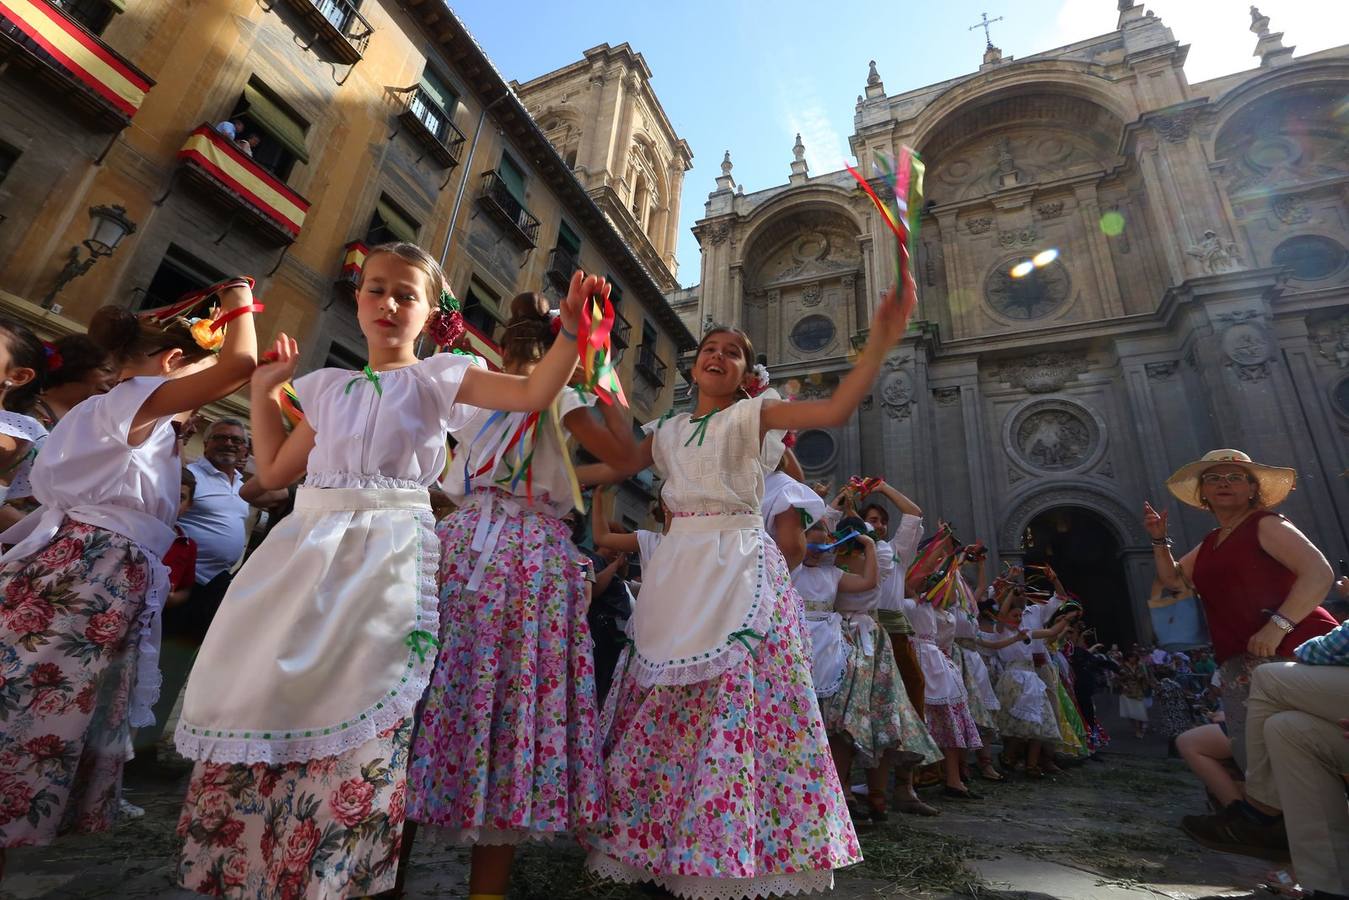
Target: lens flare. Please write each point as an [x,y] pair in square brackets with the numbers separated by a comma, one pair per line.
[1112,224]
[1044,257]
[1022,269]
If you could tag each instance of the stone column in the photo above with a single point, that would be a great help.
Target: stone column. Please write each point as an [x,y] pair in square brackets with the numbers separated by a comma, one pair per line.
[670,240]
[980,463]
[627,114]
[1103,265]
[960,312]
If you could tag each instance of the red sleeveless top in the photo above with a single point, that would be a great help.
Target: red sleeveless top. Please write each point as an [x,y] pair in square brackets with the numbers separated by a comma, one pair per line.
[1237,581]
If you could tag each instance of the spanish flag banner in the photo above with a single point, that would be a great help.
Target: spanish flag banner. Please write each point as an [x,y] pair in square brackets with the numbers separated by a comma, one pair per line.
[212,152]
[119,83]
[354,260]
[480,344]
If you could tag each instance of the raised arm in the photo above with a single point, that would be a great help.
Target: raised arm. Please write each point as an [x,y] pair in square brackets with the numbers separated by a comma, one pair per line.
[1175,575]
[603,473]
[856,582]
[1001,642]
[279,460]
[600,531]
[791,466]
[905,506]
[527,393]
[609,437]
[887,326]
[234,364]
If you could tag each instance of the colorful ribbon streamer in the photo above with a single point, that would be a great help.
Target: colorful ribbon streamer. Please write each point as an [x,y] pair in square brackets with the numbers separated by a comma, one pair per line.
[290,405]
[519,432]
[904,177]
[595,342]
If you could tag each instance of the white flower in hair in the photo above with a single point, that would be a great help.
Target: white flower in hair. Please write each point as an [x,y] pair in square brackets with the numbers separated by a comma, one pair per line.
[760,382]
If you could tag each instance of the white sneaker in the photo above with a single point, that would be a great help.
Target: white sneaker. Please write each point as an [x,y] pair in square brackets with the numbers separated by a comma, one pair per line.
[130,810]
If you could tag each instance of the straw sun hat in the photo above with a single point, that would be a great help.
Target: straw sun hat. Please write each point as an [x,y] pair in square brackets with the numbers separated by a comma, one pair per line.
[1276,482]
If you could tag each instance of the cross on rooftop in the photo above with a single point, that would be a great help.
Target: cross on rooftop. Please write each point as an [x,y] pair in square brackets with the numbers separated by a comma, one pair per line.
[984,25]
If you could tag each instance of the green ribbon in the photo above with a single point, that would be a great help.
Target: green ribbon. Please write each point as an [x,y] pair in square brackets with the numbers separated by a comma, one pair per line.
[421,641]
[701,431]
[367,374]
[806,519]
[743,637]
[660,423]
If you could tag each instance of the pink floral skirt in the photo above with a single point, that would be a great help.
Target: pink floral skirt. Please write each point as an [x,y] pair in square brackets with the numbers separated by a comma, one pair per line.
[952,726]
[68,658]
[508,748]
[321,829]
[726,788]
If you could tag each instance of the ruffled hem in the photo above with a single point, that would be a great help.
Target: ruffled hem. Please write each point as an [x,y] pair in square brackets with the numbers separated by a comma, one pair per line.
[145,689]
[355,481]
[714,663]
[697,887]
[400,703]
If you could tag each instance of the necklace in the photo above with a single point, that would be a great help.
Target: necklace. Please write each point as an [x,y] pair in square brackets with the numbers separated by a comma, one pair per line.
[1227,529]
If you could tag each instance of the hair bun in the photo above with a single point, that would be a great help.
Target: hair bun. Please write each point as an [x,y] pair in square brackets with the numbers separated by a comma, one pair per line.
[116,329]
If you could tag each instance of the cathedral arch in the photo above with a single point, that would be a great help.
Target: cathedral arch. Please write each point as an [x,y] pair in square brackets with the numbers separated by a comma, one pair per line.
[1024,507]
[1328,76]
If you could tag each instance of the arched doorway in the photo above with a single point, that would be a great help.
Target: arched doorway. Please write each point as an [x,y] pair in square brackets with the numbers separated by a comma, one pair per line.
[1085,552]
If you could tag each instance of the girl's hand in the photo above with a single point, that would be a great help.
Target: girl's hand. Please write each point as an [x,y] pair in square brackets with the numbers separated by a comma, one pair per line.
[277,365]
[1265,642]
[582,287]
[1154,523]
[236,296]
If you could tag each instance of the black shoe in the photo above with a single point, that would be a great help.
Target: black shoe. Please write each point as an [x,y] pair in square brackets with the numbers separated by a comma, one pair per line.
[1232,831]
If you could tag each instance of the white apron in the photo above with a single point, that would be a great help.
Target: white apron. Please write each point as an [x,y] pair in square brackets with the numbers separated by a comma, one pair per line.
[326,636]
[828,652]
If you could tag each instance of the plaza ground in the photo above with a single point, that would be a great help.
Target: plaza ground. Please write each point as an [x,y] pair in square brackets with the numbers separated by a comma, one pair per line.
[1105,831]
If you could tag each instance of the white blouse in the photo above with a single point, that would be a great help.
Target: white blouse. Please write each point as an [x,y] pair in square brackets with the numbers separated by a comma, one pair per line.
[868,600]
[25,428]
[716,464]
[817,585]
[1017,651]
[389,434]
[783,492]
[481,438]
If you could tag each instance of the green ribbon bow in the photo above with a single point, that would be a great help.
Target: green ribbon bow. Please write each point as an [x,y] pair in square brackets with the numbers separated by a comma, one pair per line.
[743,637]
[701,431]
[421,641]
[367,374]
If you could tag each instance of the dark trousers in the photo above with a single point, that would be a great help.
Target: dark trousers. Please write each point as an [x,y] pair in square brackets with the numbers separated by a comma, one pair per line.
[185,628]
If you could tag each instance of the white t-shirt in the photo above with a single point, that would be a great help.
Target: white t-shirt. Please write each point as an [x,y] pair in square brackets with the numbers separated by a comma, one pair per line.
[390,436]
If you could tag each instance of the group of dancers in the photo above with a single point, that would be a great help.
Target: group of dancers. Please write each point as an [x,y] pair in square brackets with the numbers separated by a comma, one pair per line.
[369,669]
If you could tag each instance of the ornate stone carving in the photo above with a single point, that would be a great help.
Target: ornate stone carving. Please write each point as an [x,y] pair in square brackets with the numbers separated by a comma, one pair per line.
[1042,373]
[1161,371]
[1015,475]
[1247,344]
[897,394]
[815,387]
[756,299]
[946,396]
[1215,254]
[817,253]
[1123,521]
[811,295]
[716,232]
[1022,238]
[1291,210]
[978,225]
[1175,129]
[1053,436]
[1051,210]
[1251,373]
[1332,340]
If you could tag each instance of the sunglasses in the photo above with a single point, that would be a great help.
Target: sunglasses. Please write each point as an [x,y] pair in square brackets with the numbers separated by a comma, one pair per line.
[1229,478]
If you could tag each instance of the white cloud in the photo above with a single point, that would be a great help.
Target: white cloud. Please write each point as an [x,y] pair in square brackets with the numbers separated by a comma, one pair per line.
[804,113]
[1218,31]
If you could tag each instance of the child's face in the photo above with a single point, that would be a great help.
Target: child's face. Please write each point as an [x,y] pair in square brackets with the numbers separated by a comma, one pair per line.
[721,364]
[815,536]
[877,523]
[184,499]
[393,302]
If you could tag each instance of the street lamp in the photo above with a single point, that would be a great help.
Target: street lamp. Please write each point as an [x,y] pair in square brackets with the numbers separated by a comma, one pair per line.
[110,225]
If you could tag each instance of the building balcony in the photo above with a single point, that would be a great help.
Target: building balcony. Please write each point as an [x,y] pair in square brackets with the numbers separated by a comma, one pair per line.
[432,127]
[497,199]
[622,331]
[340,26]
[650,366]
[42,37]
[562,264]
[217,165]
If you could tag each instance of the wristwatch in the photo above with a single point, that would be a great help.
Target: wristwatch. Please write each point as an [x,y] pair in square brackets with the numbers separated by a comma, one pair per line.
[1286,625]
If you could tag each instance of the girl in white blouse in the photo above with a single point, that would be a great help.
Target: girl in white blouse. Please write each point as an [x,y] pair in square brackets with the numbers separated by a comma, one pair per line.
[82,585]
[303,690]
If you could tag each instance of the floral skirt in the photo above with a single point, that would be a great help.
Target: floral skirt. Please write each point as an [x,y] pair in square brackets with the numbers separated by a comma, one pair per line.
[68,658]
[725,788]
[952,726]
[1026,712]
[325,828]
[1072,730]
[508,747]
[978,689]
[872,707]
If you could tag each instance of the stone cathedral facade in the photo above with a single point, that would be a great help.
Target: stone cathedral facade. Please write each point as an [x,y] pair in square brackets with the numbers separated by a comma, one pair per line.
[1196,295]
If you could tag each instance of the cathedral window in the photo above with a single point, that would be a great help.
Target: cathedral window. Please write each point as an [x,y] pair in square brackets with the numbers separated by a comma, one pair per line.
[815,449]
[1310,256]
[813,333]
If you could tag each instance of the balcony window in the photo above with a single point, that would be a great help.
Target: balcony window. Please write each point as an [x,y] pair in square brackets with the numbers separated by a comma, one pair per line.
[340,25]
[650,366]
[389,224]
[215,162]
[499,199]
[565,258]
[179,272]
[92,14]
[429,116]
[480,310]
[279,134]
[512,175]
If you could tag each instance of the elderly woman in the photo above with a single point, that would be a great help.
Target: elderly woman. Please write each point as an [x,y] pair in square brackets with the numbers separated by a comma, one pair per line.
[1257,576]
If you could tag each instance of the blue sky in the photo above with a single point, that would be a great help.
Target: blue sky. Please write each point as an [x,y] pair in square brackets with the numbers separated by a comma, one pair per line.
[747,75]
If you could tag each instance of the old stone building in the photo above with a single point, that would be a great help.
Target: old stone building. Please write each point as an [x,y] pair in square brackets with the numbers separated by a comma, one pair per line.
[607,123]
[372,120]
[1119,271]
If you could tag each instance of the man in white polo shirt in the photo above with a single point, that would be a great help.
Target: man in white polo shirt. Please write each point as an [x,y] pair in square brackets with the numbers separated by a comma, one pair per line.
[217,522]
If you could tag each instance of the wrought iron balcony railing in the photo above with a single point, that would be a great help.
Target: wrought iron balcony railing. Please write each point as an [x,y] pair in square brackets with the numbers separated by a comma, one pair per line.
[497,199]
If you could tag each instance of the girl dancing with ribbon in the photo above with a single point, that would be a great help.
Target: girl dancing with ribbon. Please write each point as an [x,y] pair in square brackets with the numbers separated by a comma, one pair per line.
[718,775]
[299,708]
[508,747]
[83,584]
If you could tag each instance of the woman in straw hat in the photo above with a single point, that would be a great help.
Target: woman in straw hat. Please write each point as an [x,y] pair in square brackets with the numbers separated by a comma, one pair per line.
[1261,583]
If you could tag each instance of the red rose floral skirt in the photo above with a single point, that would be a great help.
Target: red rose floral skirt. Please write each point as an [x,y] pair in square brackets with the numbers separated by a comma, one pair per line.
[68,655]
[325,828]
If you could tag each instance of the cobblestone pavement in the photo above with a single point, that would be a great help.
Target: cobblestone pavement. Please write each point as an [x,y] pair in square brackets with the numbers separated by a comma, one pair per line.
[1105,831]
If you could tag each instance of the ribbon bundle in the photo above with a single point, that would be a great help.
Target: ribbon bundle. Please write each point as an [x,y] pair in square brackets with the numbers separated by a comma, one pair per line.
[205,329]
[904,178]
[516,437]
[595,340]
[862,486]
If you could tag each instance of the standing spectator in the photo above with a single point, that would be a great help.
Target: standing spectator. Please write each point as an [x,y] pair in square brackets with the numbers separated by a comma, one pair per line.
[1261,582]
[1171,713]
[231,129]
[1134,682]
[1203,663]
[216,522]
[247,145]
[1298,762]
